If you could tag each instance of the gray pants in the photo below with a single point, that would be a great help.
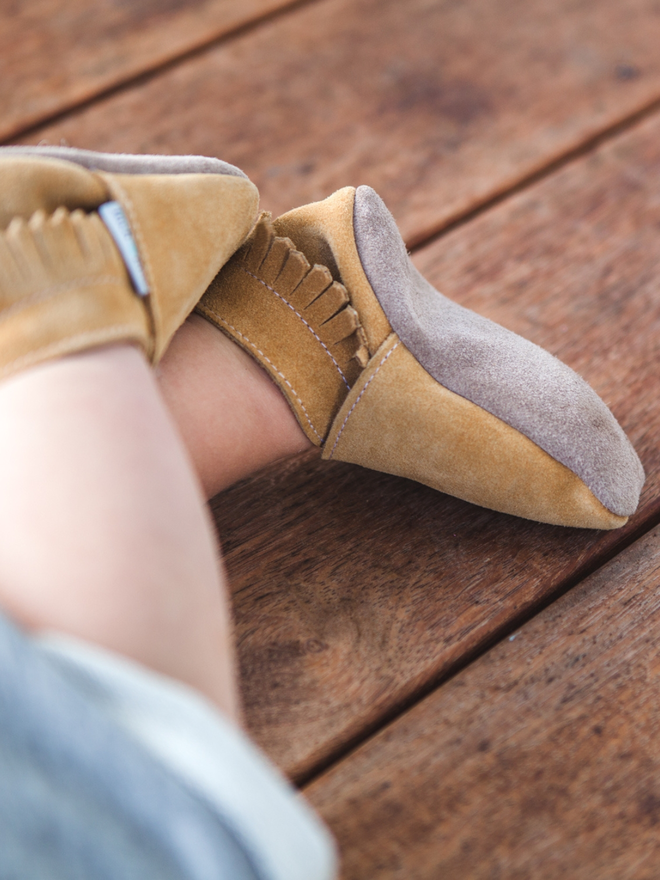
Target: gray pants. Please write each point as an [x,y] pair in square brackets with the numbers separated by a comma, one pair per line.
[108,770]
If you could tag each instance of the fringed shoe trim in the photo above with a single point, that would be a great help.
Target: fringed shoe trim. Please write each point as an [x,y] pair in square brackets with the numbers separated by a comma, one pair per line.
[321,303]
[295,320]
[43,255]
[63,288]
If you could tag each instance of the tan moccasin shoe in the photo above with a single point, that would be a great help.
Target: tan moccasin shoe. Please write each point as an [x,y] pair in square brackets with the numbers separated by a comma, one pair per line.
[383,371]
[98,248]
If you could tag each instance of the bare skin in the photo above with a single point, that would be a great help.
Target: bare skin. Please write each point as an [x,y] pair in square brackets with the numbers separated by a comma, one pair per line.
[233,418]
[104,530]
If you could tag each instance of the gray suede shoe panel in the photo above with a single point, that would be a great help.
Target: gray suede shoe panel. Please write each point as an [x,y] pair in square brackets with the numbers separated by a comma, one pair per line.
[510,377]
[126,163]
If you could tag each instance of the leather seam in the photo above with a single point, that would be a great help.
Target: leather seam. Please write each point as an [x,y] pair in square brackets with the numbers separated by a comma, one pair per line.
[359,397]
[231,327]
[309,327]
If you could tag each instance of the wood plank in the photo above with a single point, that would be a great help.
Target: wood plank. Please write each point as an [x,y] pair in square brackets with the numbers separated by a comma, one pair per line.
[539,760]
[356,591]
[55,54]
[439,105]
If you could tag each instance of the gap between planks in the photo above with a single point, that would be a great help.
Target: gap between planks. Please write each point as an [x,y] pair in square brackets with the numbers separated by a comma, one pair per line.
[455,118]
[581,246]
[507,192]
[539,761]
[136,78]
[416,241]
[593,565]
[574,154]
[571,156]
[469,658]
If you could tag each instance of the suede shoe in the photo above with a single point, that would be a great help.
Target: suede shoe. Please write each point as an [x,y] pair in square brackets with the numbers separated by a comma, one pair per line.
[98,248]
[382,370]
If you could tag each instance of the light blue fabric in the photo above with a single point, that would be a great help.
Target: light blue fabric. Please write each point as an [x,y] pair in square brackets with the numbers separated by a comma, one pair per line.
[89,788]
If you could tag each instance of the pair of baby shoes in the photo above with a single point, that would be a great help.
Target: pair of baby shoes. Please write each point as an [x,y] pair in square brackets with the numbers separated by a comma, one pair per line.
[379,368]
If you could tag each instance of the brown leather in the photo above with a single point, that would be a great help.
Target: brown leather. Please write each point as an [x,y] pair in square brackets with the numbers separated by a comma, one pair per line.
[186,227]
[294,320]
[398,419]
[63,286]
[390,414]
[323,231]
[29,184]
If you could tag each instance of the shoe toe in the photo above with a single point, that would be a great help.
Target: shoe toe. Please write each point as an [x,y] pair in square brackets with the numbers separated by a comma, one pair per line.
[497,371]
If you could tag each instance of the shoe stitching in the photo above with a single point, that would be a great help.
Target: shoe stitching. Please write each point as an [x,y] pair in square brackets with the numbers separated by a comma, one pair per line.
[309,327]
[118,332]
[49,292]
[231,327]
[359,397]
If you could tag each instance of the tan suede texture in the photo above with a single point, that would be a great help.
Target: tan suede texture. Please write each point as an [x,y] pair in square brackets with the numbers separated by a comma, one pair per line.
[294,320]
[63,285]
[186,227]
[63,288]
[396,417]
[323,231]
[400,420]
[499,371]
[28,184]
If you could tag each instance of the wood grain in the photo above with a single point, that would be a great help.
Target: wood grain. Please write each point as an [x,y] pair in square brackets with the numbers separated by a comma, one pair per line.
[55,54]
[356,591]
[540,760]
[439,105]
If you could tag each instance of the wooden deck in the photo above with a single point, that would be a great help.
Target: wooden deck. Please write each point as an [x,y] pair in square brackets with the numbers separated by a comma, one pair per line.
[461,694]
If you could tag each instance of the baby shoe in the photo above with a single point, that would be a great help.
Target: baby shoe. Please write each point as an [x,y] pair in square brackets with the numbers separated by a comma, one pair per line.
[98,248]
[383,371]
